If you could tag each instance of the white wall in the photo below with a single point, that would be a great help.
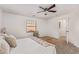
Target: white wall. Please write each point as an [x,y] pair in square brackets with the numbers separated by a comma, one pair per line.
[1,19]
[43,27]
[53,28]
[74,28]
[16,24]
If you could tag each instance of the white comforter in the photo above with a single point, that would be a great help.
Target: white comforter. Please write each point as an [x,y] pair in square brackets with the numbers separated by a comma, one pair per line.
[29,46]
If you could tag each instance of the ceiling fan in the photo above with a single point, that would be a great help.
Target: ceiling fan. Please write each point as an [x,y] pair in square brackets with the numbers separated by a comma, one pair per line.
[48,9]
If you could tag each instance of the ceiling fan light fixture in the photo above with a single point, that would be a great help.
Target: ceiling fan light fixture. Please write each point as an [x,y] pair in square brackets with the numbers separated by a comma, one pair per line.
[48,9]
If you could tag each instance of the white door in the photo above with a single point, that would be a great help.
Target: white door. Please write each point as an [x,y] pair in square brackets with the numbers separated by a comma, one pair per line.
[64,27]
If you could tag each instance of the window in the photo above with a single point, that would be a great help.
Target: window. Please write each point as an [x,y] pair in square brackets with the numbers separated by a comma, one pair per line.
[31,26]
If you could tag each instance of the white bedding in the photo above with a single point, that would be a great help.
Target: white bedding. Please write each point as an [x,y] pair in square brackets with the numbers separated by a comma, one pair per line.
[29,46]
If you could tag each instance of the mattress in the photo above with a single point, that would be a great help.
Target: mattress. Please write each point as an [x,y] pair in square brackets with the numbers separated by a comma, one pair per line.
[29,46]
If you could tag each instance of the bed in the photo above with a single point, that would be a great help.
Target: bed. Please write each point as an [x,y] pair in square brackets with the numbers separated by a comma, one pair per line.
[30,46]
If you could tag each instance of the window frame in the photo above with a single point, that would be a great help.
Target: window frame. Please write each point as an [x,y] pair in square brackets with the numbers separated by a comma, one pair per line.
[33,22]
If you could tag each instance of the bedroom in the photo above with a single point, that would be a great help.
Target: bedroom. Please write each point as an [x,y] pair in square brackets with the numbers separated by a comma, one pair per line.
[24,20]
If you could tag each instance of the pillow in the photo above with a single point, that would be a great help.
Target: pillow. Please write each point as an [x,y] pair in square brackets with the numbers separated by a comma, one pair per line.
[4,47]
[11,40]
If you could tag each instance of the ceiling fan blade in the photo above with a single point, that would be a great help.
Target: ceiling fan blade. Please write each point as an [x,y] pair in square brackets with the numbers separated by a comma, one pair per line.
[51,11]
[51,7]
[41,7]
[40,11]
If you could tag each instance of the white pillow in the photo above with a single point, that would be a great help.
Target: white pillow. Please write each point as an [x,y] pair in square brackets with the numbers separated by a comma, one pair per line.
[4,47]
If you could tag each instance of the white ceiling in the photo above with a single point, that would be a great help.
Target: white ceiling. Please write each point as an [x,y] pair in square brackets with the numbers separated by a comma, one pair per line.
[30,10]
